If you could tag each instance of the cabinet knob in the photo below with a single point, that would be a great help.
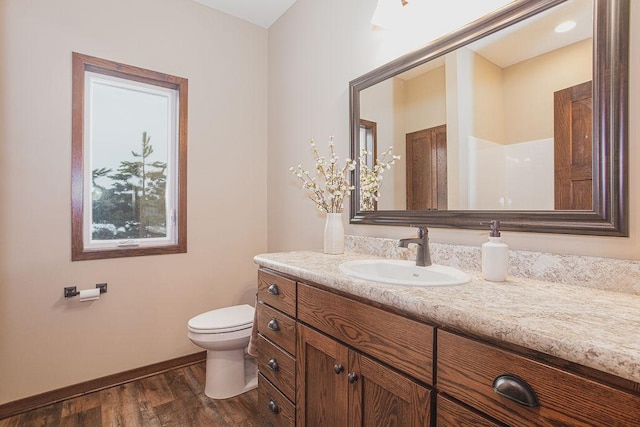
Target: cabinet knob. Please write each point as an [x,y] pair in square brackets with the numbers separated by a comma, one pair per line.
[338,368]
[273,289]
[273,407]
[352,377]
[272,364]
[273,325]
[516,389]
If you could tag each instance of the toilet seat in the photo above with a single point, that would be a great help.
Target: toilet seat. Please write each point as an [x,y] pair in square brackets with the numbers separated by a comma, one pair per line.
[223,320]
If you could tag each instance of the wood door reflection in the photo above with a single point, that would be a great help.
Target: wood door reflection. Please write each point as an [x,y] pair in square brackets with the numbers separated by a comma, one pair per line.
[573,156]
[427,169]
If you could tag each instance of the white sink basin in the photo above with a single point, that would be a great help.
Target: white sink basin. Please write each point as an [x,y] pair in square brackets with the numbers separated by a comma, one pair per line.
[398,272]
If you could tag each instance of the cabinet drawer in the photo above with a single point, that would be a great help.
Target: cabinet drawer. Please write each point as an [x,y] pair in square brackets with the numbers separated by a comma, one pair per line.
[278,367]
[277,292]
[274,405]
[467,370]
[405,344]
[278,327]
[449,413]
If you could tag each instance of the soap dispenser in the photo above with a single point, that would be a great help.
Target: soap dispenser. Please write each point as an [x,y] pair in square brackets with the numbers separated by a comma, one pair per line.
[495,256]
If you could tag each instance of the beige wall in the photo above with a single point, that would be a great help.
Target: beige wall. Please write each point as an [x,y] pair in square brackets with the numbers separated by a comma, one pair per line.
[425,101]
[47,342]
[314,51]
[529,100]
[488,101]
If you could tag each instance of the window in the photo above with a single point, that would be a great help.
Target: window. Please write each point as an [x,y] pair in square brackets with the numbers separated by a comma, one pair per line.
[368,136]
[129,151]
[368,153]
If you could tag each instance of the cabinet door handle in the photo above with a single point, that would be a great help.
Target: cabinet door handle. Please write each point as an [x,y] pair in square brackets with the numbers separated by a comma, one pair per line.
[516,389]
[338,368]
[273,407]
[273,289]
[273,325]
[272,364]
[352,377]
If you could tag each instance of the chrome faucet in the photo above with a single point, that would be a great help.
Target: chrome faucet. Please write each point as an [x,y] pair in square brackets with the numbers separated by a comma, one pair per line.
[423,258]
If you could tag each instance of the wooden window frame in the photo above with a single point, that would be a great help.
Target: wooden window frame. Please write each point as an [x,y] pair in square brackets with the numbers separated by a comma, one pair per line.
[370,127]
[82,64]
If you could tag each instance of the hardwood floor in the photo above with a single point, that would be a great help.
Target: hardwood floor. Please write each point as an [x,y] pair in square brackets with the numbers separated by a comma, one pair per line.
[173,398]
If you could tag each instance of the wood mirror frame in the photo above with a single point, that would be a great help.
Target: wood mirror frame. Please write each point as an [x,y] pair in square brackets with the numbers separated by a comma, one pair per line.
[609,216]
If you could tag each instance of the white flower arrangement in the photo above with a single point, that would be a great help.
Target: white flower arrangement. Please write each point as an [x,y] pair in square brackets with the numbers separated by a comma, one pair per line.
[371,179]
[330,197]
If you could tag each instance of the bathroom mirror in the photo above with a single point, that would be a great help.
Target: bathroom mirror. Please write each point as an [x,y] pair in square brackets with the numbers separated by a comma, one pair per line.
[504,119]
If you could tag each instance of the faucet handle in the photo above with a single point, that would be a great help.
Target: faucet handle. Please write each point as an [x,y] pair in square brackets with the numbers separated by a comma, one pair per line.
[422,230]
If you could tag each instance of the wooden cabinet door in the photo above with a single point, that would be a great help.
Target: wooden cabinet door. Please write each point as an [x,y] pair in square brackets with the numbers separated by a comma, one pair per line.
[341,387]
[321,391]
[379,396]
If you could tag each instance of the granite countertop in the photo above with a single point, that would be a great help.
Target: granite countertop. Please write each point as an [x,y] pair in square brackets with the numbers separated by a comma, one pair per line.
[592,327]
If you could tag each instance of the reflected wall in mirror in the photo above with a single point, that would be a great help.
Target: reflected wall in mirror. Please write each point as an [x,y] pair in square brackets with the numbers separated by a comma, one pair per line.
[507,119]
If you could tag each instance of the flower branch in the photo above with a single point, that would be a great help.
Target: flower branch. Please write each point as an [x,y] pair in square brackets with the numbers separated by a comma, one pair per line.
[330,196]
[371,179]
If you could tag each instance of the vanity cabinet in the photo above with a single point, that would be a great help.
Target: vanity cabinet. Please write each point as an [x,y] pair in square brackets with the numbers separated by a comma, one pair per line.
[276,324]
[338,386]
[330,359]
[518,390]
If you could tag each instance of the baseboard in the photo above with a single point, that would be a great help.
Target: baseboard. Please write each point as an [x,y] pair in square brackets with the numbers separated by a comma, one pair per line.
[29,403]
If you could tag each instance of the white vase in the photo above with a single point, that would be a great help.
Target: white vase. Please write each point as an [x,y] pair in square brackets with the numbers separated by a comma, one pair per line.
[334,234]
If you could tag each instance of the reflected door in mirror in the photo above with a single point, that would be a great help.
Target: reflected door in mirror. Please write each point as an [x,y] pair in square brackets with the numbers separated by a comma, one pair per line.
[573,124]
[427,169]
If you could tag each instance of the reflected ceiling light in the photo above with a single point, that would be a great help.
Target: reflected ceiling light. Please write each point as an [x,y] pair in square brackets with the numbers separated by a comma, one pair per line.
[388,13]
[565,26]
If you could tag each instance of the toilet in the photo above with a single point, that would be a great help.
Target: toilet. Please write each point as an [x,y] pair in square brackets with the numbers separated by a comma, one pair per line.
[225,333]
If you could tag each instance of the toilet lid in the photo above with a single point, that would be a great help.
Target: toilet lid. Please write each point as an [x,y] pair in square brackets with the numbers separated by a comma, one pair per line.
[227,319]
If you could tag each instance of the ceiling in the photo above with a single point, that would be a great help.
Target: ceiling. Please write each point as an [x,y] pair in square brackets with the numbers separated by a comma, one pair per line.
[523,38]
[259,12]
[536,36]
[527,39]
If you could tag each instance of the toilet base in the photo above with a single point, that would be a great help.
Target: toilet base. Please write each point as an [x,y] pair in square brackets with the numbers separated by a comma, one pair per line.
[226,375]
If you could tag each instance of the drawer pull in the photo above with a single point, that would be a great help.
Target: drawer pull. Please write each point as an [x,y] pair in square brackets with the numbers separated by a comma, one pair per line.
[273,325]
[273,289]
[272,364]
[338,369]
[516,389]
[273,407]
[352,377]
